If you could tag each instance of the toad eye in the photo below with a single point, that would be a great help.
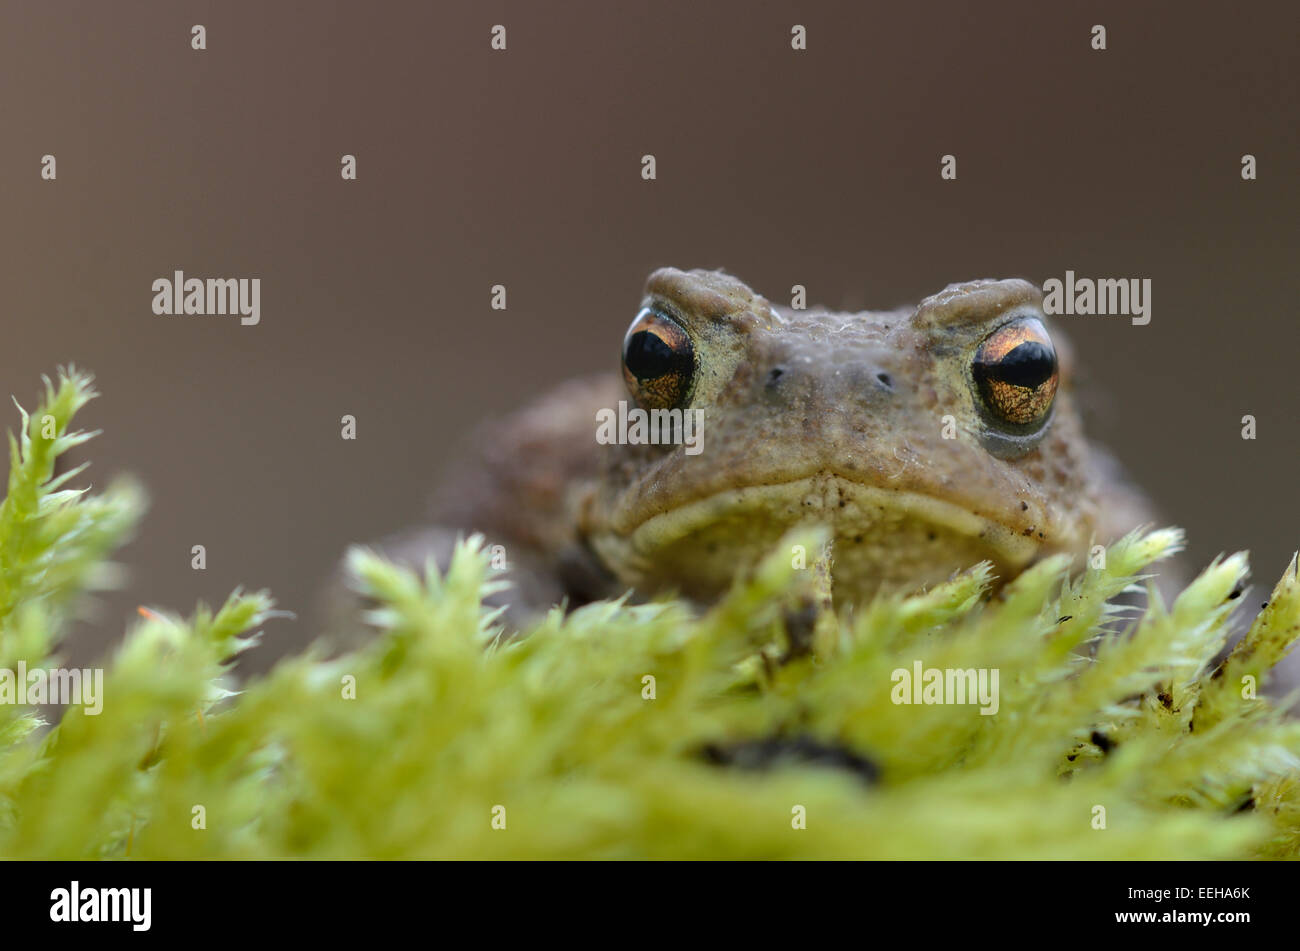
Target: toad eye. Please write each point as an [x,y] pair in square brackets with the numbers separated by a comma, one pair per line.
[658,361]
[1016,373]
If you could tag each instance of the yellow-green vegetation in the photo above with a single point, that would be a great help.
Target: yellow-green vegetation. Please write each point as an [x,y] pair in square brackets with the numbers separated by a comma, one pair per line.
[644,731]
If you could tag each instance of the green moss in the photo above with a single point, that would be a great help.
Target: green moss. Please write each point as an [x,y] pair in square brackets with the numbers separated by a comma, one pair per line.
[1097,708]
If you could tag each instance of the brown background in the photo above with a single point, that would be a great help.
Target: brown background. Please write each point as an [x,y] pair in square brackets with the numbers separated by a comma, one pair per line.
[477,167]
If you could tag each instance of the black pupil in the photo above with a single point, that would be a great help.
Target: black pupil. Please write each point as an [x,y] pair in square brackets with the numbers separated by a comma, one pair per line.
[1030,365]
[647,357]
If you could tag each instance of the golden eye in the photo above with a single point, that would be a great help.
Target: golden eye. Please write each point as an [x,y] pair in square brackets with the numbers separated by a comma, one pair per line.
[658,361]
[1016,372]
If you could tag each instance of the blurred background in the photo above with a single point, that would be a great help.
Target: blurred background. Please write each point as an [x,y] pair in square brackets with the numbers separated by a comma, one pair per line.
[522,168]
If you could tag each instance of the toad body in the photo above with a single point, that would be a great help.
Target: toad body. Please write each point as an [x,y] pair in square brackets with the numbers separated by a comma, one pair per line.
[925,439]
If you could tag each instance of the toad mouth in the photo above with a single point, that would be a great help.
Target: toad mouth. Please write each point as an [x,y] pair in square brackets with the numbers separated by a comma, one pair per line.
[833,500]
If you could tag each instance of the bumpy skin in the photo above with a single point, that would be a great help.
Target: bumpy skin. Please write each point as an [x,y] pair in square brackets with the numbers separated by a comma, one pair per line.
[809,416]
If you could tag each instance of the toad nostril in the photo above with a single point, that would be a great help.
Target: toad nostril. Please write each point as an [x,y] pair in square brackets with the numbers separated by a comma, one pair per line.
[773,375]
[885,380]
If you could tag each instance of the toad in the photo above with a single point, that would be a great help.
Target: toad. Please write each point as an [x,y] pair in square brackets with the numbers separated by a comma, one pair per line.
[925,439]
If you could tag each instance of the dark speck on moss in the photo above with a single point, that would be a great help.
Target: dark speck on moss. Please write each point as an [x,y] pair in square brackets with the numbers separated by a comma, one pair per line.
[799,750]
[1102,741]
